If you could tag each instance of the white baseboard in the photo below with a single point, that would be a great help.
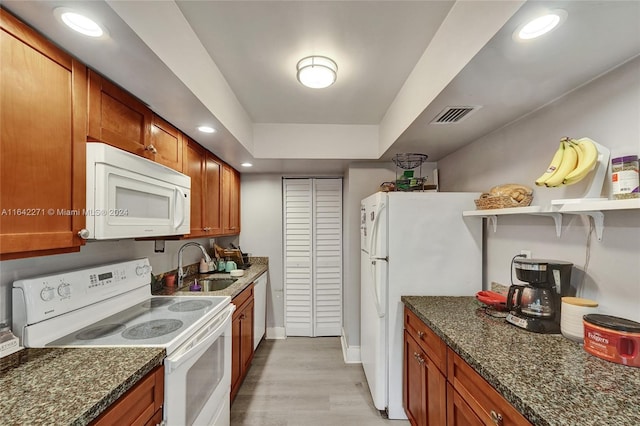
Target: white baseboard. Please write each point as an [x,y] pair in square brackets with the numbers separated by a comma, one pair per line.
[351,354]
[274,333]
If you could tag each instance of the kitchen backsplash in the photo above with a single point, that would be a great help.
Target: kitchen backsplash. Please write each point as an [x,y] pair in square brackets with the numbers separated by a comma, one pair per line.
[97,253]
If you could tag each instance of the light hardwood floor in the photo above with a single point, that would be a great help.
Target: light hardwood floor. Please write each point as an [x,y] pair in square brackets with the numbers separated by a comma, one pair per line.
[304,381]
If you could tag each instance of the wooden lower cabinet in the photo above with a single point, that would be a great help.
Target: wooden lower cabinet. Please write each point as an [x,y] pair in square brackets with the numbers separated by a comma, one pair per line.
[483,399]
[425,390]
[440,388]
[43,120]
[458,411]
[242,338]
[141,405]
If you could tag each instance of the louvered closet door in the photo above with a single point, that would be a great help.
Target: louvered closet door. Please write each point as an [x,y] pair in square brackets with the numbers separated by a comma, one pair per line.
[327,250]
[313,256]
[298,256]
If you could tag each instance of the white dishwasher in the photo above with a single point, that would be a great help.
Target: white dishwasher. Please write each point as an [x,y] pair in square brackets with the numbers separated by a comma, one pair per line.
[259,308]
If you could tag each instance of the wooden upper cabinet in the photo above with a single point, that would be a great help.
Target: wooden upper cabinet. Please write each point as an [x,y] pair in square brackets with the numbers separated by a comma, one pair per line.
[117,118]
[230,201]
[193,165]
[165,146]
[213,195]
[205,172]
[43,93]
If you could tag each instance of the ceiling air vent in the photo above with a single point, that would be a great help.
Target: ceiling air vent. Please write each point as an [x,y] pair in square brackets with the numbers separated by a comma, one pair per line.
[454,114]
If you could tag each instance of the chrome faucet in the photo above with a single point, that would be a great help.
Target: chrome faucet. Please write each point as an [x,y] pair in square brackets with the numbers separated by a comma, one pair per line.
[207,259]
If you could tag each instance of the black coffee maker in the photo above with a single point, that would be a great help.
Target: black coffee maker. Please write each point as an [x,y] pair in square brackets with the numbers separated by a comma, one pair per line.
[536,305]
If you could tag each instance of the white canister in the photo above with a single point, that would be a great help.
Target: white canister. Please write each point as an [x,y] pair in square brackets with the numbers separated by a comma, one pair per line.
[572,311]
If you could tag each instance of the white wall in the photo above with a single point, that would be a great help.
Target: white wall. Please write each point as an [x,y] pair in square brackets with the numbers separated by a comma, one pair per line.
[93,253]
[261,218]
[608,111]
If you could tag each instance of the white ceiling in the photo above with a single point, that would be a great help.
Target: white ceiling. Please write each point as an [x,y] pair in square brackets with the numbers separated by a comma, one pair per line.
[232,64]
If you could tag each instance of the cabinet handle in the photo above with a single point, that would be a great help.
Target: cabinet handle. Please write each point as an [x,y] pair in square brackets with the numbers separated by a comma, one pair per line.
[243,316]
[418,358]
[206,229]
[420,334]
[497,418]
[151,149]
[83,233]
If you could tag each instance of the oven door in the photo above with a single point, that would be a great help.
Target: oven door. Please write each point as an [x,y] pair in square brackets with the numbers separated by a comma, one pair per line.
[198,376]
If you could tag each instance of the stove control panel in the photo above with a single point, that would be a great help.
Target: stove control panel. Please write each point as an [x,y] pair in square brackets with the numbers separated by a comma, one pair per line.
[39,298]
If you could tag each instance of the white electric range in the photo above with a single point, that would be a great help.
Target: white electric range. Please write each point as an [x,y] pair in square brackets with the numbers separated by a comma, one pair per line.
[112,305]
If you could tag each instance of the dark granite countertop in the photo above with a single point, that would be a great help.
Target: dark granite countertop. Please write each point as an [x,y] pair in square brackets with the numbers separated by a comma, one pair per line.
[258,267]
[70,386]
[548,378]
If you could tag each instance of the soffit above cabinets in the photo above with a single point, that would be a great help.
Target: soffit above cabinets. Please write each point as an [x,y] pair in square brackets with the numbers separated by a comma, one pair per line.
[382,102]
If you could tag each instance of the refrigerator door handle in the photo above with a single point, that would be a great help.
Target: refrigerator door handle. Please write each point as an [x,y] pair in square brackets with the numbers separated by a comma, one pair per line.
[373,258]
[374,231]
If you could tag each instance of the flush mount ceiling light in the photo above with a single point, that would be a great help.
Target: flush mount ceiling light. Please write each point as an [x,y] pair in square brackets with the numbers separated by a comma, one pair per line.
[206,129]
[80,23]
[246,165]
[540,25]
[317,72]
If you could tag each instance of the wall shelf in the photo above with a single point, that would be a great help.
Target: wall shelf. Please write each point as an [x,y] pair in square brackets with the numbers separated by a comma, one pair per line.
[594,209]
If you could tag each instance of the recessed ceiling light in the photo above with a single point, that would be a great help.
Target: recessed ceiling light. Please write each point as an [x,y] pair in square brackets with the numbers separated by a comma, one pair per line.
[540,25]
[246,165]
[80,23]
[317,72]
[206,129]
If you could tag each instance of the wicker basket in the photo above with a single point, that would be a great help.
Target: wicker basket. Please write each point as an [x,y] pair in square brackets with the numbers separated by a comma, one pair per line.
[488,201]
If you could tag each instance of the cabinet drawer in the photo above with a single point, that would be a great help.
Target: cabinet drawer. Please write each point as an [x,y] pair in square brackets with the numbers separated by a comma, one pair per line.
[243,297]
[430,343]
[480,396]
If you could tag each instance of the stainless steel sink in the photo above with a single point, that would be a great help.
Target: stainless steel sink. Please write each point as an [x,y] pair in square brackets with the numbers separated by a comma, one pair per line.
[214,284]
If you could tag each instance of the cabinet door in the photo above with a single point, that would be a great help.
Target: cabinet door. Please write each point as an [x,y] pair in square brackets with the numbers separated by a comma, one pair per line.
[230,201]
[425,392]
[42,145]
[193,166]
[139,405]
[117,118]
[458,411]
[212,199]
[414,396]
[236,361]
[165,146]
[246,346]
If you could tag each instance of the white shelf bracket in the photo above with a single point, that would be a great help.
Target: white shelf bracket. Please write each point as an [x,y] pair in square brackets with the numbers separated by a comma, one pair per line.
[557,218]
[598,222]
[494,221]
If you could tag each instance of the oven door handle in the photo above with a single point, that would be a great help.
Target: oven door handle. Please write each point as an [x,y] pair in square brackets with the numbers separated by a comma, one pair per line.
[204,339]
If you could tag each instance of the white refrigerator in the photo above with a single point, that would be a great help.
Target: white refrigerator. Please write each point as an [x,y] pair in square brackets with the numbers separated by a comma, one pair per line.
[413,243]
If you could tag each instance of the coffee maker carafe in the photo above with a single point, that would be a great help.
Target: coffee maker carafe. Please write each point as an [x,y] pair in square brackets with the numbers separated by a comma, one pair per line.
[535,306]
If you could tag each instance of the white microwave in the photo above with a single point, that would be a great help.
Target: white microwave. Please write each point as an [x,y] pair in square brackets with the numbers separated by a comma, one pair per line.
[130,197]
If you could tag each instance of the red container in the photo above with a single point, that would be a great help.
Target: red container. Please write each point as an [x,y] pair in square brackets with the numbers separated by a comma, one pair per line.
[613,339]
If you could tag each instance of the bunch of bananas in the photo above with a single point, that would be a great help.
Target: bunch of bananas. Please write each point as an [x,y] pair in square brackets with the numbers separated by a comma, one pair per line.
[571,163]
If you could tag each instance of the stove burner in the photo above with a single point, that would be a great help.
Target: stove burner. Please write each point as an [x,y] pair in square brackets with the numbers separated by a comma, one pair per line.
[153,328]
[100,331]
[156,302]
[190,305]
